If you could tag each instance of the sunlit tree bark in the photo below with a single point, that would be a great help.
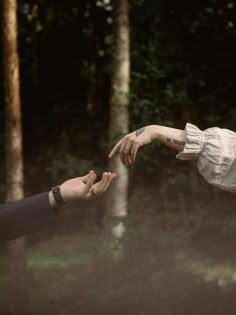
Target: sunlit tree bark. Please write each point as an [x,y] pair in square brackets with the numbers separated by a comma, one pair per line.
[119,118]
[14,160]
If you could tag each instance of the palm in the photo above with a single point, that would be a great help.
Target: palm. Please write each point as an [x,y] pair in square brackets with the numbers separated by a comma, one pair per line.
[84,187]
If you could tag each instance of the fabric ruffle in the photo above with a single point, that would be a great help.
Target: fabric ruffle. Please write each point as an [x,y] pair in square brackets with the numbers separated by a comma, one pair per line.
[194,143]
[215,152]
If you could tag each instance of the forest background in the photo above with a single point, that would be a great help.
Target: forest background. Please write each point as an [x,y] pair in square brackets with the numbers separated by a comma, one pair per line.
[177,254]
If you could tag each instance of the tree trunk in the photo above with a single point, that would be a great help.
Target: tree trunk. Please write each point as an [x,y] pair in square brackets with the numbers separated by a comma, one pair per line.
[14,161]
[116,208]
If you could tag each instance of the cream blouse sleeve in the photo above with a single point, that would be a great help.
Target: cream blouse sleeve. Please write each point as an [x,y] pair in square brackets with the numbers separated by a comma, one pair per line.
[215,152]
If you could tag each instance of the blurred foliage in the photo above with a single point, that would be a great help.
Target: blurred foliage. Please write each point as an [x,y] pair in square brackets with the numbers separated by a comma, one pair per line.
[64,166]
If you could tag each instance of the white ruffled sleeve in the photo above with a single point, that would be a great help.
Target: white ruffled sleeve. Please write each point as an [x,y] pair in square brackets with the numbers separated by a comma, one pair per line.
[215,152]
[194,143]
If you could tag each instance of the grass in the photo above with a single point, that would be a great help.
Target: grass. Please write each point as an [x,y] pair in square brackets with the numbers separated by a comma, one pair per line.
[176,263]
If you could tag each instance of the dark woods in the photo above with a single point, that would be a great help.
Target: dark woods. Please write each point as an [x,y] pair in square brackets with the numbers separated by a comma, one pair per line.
[178,229]
[182,69]
[182,57]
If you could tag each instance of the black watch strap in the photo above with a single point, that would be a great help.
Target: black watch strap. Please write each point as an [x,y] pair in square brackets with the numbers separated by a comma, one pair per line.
[57,196]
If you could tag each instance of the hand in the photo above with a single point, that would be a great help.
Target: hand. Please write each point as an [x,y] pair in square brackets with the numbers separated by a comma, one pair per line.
[129,145]
[101,186]
[83,188]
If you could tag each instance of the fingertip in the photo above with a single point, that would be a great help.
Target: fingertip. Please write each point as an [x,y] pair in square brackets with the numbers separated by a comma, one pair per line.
[93,174]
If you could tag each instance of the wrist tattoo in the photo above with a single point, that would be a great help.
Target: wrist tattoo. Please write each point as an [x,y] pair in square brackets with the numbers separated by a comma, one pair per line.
[181,143]
[139,131]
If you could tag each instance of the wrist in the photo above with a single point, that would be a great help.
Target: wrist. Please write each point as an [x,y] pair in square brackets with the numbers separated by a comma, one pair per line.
[155,132]
[52,201]
[65,193]
[56,197]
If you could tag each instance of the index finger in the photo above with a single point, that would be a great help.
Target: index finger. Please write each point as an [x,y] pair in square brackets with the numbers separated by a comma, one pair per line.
[115,149]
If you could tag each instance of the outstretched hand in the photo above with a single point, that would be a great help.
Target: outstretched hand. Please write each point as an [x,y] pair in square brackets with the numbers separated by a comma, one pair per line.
[85,188]
[129,145]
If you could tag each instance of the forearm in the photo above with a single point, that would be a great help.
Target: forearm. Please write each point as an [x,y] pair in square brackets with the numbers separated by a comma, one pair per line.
[171,137]
[25,216]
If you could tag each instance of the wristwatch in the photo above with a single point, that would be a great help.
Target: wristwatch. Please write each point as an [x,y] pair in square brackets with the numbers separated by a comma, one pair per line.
[57,196]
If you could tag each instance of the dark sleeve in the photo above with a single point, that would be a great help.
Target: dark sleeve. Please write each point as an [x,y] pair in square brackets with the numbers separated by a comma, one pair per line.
[25,216]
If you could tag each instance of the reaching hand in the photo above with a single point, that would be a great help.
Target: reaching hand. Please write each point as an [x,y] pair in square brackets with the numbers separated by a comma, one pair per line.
[84,187]
[128,146]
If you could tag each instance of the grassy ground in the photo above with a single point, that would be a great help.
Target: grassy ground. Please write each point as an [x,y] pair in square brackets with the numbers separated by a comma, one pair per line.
[167,264]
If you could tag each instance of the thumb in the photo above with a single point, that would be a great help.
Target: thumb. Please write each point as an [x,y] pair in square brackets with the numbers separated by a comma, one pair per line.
[89,181]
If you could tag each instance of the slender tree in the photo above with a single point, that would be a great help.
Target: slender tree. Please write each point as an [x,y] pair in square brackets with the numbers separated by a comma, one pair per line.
[14,160]
[119,117]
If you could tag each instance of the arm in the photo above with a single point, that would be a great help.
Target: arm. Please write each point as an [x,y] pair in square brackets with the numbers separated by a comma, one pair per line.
[25,216]
[128,146]
[171,137]
[39,211]
[214,149]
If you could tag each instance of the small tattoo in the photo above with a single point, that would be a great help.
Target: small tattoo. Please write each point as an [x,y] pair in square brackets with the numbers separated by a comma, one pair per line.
[139,131]
[182,143]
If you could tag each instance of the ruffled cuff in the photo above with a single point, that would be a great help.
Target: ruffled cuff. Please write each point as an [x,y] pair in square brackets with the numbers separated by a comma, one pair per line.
[194,143]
